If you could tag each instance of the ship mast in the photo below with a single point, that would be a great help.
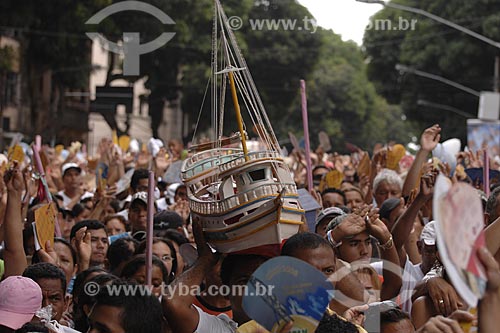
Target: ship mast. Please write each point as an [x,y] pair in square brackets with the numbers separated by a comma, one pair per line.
[230,69]
[238,114]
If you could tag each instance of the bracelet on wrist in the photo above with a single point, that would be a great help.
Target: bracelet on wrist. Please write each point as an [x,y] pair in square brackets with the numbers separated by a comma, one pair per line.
[387,245]
[332,241]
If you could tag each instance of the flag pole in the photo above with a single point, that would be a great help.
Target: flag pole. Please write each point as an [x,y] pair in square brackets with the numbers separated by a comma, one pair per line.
[486,172]
[149,229]
[306,135]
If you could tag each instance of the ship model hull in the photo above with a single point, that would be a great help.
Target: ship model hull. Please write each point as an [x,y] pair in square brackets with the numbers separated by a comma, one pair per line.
[242,204]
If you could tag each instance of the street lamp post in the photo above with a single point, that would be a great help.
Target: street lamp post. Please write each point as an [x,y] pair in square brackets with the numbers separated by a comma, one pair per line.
[403,68]
[435,18]
[444,107]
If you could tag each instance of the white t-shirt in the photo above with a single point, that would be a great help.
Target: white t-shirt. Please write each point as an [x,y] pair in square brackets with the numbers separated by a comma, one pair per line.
[412,274]
[215,324]
[378,266]
[67,200]
[161,204]
[123,213]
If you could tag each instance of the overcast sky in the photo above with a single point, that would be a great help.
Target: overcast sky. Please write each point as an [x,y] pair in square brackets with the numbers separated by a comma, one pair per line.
[347,18]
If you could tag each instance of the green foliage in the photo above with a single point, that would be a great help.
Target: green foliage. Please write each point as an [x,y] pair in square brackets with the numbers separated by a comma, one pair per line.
[438,49]
[277,58]
[341,99]
[343,103]
[280,58]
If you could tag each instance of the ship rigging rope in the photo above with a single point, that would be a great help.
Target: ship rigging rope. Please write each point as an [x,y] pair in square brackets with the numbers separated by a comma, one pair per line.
[214,71]
[250,93]
[248,76]
[230,58]
[201,110]
[250,96]
[255,120]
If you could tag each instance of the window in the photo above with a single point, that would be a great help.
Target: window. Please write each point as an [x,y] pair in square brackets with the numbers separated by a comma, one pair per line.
[6,124]
[11,88]
[257,175]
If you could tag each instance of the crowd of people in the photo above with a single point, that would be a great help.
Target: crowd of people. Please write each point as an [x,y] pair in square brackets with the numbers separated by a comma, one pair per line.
[374,238]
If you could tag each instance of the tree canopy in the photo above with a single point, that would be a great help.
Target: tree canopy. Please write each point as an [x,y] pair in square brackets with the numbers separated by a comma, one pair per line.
[342,100]
[437,49]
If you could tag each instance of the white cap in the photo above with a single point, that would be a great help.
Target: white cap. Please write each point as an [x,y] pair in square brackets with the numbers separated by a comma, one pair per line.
[428,235]
[68,166]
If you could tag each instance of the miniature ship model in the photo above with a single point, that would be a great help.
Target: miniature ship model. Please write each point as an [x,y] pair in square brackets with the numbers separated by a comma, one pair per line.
[244,199]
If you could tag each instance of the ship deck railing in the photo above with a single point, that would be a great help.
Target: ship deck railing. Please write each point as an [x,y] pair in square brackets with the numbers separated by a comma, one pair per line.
[219,207]
[223,158]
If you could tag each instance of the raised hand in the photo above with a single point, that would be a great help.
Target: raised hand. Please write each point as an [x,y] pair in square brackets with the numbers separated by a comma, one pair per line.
[379,159]
[489,306]
[338,163]
[55,171]
[161,161]
[475,160]
[427,167]
[492,271]
[143,160]
[427,186]
[378,229]
[364,184]
[110,192]
[31,183]
[14,179]
[370,217]
[3,201]
[115,156]
[204,251]
[83,246]
[366,210]
[181,207]
[128,158]
[443,295]
[444,168]
[351,225]
[356,314]
[49,255]
[317,196]
[430,138]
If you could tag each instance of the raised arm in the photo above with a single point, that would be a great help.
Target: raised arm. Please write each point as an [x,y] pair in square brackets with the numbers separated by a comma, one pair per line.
[379,161]
[3,206]
[14,255]
[489,306]
[428,141]
[392,272]
[177,305]
[492,234]
[403,226]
